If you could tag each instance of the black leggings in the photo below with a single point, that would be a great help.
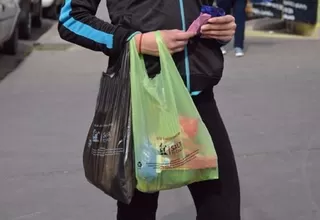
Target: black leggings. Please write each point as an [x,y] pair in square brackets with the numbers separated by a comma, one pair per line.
[214,199]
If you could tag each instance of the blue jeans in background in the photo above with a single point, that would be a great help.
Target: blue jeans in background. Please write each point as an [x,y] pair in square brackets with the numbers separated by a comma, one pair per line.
[238,9]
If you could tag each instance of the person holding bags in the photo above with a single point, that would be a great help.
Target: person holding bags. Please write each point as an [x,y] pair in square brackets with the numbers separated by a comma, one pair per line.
[199,60]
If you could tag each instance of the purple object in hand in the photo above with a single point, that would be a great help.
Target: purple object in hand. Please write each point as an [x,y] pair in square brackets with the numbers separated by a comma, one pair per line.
[207,12]
[196,24]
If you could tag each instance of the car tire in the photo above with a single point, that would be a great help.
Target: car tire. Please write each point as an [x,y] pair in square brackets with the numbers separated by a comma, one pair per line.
[37,19]
[10,47]
[51,12]
[25,26]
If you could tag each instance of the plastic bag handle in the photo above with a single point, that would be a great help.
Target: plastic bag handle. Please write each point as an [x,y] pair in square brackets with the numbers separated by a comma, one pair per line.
[137,62]
[166,60]
[164,54]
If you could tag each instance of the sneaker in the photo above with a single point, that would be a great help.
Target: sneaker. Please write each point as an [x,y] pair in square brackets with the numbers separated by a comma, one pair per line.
[223,50]
[238,52]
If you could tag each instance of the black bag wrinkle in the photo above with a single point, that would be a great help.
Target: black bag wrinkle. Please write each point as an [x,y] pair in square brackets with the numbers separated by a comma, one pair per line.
[108,158]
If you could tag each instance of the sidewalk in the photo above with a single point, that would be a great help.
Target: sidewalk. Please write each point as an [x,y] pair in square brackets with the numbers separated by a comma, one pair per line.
[269,100]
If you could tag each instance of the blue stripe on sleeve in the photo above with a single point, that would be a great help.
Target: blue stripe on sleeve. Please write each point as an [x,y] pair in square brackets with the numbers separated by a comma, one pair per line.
[82,29]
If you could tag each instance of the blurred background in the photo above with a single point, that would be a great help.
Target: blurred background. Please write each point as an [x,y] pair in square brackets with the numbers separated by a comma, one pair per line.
[269,99]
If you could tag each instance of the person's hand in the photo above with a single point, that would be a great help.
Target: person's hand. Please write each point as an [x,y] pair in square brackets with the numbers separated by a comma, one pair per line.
[220,28]
[175,40]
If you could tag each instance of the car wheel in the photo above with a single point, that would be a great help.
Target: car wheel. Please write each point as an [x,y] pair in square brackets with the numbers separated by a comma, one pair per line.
[10,47]
[37,19]
[25,26]
[51,12]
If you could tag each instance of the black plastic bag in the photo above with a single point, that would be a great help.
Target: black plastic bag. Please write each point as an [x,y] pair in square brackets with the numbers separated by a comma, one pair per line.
[108,153]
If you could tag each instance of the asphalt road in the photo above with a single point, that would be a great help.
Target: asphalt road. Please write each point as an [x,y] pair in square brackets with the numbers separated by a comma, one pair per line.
[269,100]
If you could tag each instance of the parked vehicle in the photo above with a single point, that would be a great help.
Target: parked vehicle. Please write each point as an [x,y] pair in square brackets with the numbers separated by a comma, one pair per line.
[9,14]
[51,8]
[30,16]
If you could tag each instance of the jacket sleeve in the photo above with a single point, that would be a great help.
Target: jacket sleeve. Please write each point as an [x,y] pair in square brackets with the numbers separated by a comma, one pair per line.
[78,24]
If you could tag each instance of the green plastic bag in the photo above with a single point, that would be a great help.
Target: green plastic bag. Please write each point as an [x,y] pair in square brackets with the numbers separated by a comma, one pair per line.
[172,146]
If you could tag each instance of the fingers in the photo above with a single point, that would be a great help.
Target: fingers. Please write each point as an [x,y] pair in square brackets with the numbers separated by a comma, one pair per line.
[214,33]
[177,46]
[176,40]
[180,49]
[221,20]
[182,36]
[218,27]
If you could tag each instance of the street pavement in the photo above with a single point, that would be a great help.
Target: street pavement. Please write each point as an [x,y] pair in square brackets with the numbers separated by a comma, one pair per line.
[269,100]
[9,63]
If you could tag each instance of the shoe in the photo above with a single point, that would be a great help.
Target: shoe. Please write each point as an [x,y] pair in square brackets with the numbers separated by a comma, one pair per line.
[223,50]
[238,52]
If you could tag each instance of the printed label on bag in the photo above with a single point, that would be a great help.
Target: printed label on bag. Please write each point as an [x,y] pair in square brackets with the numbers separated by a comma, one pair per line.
[102,125]
[89,143]
[98,143]
[179,162]
[99,134]
[105,152]
[174,152]
[169,146]
[95,136]
[105,137]
[166,163]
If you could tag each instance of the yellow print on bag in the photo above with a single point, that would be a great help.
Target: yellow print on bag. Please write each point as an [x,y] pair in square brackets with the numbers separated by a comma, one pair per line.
[169,146]
[182,150]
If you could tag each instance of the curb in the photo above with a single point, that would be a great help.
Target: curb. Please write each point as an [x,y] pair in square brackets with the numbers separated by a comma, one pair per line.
[270,28]
[271,34]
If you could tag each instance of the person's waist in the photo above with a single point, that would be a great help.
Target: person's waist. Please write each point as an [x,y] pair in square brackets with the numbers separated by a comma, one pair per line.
[200,78]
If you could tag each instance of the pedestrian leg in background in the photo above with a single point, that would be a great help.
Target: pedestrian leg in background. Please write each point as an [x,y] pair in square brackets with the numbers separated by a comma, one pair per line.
[240,17]
[227,6]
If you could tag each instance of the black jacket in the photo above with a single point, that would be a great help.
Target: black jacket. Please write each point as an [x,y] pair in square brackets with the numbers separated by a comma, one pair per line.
[202,61]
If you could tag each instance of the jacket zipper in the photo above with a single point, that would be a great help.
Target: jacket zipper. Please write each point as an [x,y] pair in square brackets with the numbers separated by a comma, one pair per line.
[186,56]
[186,59]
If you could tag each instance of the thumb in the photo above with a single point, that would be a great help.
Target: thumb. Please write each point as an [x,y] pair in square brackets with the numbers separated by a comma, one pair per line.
[184,35]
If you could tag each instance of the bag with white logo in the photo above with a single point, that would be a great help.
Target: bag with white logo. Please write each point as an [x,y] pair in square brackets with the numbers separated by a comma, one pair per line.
[108,153]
